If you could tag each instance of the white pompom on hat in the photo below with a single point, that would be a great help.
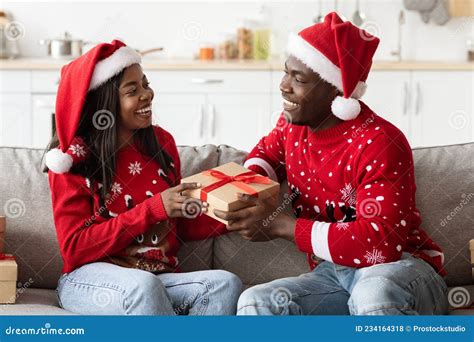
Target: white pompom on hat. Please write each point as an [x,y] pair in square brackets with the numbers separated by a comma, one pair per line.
[341,54]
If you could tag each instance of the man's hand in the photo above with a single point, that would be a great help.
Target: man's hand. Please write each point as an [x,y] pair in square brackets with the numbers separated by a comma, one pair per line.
[250,222]
[257,210]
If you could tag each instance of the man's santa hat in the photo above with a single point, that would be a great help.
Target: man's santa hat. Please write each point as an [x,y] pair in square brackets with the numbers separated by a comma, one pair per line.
[82,75]
[341,54]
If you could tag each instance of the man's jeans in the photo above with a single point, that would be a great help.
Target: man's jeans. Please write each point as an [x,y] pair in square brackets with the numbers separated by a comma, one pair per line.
[106,289]
[409,286]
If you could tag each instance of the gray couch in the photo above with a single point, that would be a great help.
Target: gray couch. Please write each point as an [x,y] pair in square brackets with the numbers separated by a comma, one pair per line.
[445,180]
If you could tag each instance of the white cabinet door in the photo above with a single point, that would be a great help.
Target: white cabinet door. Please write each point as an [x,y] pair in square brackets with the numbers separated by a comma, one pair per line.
[237,121]
[15,119]
[388,95]
[42,119]
[442,107]
[182,115]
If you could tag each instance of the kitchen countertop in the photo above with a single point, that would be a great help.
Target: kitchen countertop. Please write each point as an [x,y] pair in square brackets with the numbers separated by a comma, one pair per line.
[186,64]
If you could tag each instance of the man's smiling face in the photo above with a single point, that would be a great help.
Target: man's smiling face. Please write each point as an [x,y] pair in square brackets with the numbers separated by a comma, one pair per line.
[306,97]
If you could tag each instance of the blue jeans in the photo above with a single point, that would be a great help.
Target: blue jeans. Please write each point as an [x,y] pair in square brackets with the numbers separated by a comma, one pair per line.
[106,289]
[409,286]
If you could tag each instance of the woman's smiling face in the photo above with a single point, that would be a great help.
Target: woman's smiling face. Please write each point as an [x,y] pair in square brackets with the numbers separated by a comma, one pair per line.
[136,98]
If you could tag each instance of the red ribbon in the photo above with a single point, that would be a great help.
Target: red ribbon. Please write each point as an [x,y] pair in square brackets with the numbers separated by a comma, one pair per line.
[6,257]
[239,181]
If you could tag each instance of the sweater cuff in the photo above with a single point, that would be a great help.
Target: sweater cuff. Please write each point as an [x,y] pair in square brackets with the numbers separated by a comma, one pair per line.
[303,232]
[258,169]
[157,208]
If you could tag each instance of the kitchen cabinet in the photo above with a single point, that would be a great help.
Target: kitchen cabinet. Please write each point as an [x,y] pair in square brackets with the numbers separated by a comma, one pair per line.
[15,108]
[182,115]
[210,107]
[42,118]
[442,107]
[388,95]
[237,107]
[430,107]
[237,121]
[15,123]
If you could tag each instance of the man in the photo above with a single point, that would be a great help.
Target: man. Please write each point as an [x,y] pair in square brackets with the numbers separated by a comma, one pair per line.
[352,187]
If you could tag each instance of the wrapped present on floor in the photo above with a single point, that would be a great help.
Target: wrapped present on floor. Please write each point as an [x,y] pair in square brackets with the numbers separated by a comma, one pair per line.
[3,224]
[8,277]
[221,185]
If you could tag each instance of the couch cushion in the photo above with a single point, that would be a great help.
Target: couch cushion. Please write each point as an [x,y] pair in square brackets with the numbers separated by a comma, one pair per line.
[257,262]
[31,237]
[34,302]
[445,188]
[25,200]
[197,159]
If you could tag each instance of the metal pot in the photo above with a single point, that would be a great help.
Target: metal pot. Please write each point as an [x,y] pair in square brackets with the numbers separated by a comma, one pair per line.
[64,47]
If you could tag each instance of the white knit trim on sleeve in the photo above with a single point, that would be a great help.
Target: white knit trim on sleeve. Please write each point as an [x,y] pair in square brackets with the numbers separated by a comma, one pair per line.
[264,165]
[319,240]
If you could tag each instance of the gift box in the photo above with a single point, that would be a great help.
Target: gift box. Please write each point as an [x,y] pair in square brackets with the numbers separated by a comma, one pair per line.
[8,277]
[219,188]
[3,224]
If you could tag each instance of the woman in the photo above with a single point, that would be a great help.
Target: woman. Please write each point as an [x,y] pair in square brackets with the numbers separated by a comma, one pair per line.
[117,203]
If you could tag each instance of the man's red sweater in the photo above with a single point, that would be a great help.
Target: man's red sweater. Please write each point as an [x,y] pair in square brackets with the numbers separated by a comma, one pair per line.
[91,229]
[352,188]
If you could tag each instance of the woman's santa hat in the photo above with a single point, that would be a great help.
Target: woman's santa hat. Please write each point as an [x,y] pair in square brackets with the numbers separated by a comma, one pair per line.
[82,75]
[341,54]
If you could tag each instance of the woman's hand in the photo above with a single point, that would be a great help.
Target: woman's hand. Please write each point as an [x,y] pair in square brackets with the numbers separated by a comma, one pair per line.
[178,205]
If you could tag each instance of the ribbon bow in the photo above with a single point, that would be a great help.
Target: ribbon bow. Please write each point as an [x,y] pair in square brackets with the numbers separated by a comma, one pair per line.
[6,257]
[240,181]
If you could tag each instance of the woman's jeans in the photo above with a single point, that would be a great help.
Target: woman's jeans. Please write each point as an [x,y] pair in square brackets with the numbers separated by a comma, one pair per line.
[409,286]
[106,289]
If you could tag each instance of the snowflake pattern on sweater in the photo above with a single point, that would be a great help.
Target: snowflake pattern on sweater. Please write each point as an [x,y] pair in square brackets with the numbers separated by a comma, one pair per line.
[353,190]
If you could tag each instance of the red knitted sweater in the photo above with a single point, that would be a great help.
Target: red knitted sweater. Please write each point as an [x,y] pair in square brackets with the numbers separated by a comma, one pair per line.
[352,188]
[130,227]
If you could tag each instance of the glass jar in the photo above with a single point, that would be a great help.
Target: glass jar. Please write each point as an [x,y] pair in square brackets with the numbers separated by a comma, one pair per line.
[206,52]
[470,50]
[261,36]
[245,39]
[228,47]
